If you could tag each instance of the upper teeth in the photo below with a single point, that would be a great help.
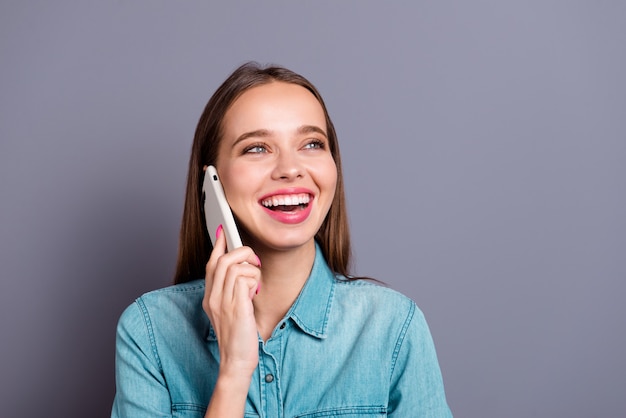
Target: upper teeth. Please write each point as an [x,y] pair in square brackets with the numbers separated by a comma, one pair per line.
[286,200]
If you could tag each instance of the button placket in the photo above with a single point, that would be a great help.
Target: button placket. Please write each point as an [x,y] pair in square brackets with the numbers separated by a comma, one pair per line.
[270,388]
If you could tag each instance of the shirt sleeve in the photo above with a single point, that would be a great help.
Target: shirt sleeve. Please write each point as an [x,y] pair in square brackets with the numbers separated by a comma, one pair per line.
[416,388]
[141,390]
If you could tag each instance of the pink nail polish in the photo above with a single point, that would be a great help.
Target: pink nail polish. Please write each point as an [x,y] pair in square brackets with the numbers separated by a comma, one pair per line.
[258,261]
[258,288]
[218,232]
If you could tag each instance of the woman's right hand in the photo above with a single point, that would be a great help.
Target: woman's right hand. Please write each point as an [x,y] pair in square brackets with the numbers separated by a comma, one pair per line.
[232,280]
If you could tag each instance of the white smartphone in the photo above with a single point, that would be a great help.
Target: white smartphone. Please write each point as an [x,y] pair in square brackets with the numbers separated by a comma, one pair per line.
[216,210]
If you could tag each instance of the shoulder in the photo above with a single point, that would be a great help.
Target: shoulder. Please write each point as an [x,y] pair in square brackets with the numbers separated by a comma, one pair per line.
[373,296]
[169,305]
[387,319]
[176,295]
[376,305]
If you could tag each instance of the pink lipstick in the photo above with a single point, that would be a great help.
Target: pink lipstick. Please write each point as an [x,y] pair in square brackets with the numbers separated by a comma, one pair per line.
[290,206]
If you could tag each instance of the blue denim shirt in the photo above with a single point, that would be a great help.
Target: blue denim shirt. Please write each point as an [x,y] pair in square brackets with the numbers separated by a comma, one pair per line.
[345,348]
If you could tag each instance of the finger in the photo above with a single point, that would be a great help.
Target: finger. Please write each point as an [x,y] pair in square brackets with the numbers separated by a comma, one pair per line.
[218,290]
[245,289]
[219,249]
[235,273]
[240,255]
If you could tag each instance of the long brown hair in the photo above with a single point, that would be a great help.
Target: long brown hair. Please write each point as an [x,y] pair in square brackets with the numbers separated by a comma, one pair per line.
[194,245]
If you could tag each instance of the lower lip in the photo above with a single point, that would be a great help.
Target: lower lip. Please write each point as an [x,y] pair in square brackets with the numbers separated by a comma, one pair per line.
[293,217]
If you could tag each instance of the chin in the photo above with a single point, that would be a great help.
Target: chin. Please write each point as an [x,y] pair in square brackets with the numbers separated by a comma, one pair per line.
[275,239]
[287,243]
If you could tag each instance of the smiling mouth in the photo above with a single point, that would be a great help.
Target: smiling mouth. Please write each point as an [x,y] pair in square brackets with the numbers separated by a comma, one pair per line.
[287,203]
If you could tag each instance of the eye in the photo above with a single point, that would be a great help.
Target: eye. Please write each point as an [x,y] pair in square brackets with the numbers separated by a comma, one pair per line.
[315,144]
[255,149]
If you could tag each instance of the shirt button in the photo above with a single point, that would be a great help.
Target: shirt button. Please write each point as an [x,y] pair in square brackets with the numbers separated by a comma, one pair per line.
[282,326]
[269,378]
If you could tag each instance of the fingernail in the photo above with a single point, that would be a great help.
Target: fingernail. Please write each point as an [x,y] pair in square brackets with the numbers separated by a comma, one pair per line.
[218,232]
[258,260]
[258,288]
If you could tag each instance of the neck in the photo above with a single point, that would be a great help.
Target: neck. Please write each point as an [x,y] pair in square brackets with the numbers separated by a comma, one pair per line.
[283,274]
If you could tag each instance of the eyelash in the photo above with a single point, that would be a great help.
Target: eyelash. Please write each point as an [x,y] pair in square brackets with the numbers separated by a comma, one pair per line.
[259,148]
[249,149]
[318,144]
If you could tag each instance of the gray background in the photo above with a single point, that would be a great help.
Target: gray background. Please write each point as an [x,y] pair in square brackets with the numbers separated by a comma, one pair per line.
[483,142]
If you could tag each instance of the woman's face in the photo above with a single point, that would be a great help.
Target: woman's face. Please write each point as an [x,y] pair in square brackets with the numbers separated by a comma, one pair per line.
[275,165]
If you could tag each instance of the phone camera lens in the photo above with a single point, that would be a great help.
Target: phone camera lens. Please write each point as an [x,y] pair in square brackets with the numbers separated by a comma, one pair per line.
[214,177]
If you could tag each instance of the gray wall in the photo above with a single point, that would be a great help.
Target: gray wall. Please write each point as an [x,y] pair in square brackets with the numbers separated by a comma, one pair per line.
[483,142]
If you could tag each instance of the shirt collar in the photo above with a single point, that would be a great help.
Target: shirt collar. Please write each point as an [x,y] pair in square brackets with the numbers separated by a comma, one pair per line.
[311,309]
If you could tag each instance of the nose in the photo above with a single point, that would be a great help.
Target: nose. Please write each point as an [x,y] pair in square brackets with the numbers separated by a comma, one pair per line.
[287,167]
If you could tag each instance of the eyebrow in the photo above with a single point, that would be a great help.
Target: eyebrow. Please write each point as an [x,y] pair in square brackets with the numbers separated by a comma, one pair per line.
[259,133]
[307,129]
[264,133]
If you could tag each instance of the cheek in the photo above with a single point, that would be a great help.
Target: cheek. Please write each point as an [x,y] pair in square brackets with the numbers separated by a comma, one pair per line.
[328,177]
[233,189]
[235,192]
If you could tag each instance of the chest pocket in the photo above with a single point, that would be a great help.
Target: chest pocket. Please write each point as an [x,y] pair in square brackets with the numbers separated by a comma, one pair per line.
[347,412]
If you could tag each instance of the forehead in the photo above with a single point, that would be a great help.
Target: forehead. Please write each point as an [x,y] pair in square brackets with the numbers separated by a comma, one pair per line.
[273,106]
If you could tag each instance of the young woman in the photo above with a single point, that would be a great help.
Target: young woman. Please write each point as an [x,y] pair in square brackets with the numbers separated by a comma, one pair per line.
[276,328]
